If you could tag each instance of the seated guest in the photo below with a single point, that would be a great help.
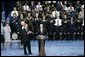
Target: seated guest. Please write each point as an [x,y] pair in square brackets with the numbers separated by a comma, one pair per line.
[35,23]
[50,27]
[82,30]
[65,8]
[49,1]
[7,31]
[65,26]
[82,12]
[58,24]
[54,2]
[25,7]
[32,6]
[14,22]
[29,20]
[78,25]
[58,6]
[78,6]
[70,8]
[55,13]
[14,11]
[71,27]
[21,16]
[39,6]
[52,7]
[19,6]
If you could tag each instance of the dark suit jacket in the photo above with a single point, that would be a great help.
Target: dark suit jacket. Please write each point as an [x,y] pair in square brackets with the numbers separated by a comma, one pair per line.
[43,33]
[14,23]
[25,36]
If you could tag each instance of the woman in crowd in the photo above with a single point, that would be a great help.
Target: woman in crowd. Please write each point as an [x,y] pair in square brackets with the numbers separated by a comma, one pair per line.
[7,31]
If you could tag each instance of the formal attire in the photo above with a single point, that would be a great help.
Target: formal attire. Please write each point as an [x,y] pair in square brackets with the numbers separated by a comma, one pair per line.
[16,12]
[35,23]
[78,25]
[65,26]
[71,28]
[14,23]
[82,14]
[7,31]
[50,28]
[41,31]
[41,40]
[26,41]
[58,24]
[70,9]
[25,7]
[55,13]
[39,7]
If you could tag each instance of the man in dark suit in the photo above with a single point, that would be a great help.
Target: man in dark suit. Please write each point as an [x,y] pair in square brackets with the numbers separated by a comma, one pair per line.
[57,25]
[65,26]
[41,33]
[26,38]
[35,23]
[78,26]
[50,24]
[14,23]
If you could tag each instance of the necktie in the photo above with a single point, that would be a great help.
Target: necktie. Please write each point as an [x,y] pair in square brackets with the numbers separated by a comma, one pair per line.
[57,22]
[41,29]
[71,20]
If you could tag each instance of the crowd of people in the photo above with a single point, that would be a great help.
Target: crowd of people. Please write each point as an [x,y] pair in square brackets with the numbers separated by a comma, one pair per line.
[62,20]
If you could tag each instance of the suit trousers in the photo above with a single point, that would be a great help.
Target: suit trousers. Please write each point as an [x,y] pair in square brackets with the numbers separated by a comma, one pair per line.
[28,46]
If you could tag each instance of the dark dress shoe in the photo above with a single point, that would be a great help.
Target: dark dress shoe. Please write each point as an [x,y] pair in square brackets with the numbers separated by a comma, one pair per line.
[26,54]
[30,53]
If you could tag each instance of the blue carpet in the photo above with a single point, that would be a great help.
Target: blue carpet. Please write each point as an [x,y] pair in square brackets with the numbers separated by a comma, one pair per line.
[52,48]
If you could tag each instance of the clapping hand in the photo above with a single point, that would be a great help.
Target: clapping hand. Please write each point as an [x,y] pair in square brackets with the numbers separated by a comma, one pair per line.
[29,32]
[17,32]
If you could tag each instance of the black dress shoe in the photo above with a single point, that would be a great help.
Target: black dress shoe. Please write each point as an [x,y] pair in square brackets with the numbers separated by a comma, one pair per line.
[30,53]
[26,54]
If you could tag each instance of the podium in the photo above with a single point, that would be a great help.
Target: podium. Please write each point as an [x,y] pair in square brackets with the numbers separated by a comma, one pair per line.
[41,38]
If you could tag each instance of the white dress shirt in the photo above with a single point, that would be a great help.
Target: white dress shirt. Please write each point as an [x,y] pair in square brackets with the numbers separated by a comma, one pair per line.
[70,9]
[82,14]
[66,8]
[82,6]
[23,27]
[49,1]
[14,12]
[83,23]
[54,1]
[41,28]
[26,7]
[55,13]
[39,7]
[58,22]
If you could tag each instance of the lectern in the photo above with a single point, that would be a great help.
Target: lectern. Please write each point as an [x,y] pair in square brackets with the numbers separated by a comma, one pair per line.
[41,38]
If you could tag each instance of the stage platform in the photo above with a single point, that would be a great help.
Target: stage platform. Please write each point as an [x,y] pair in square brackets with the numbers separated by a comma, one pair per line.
[52,48]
